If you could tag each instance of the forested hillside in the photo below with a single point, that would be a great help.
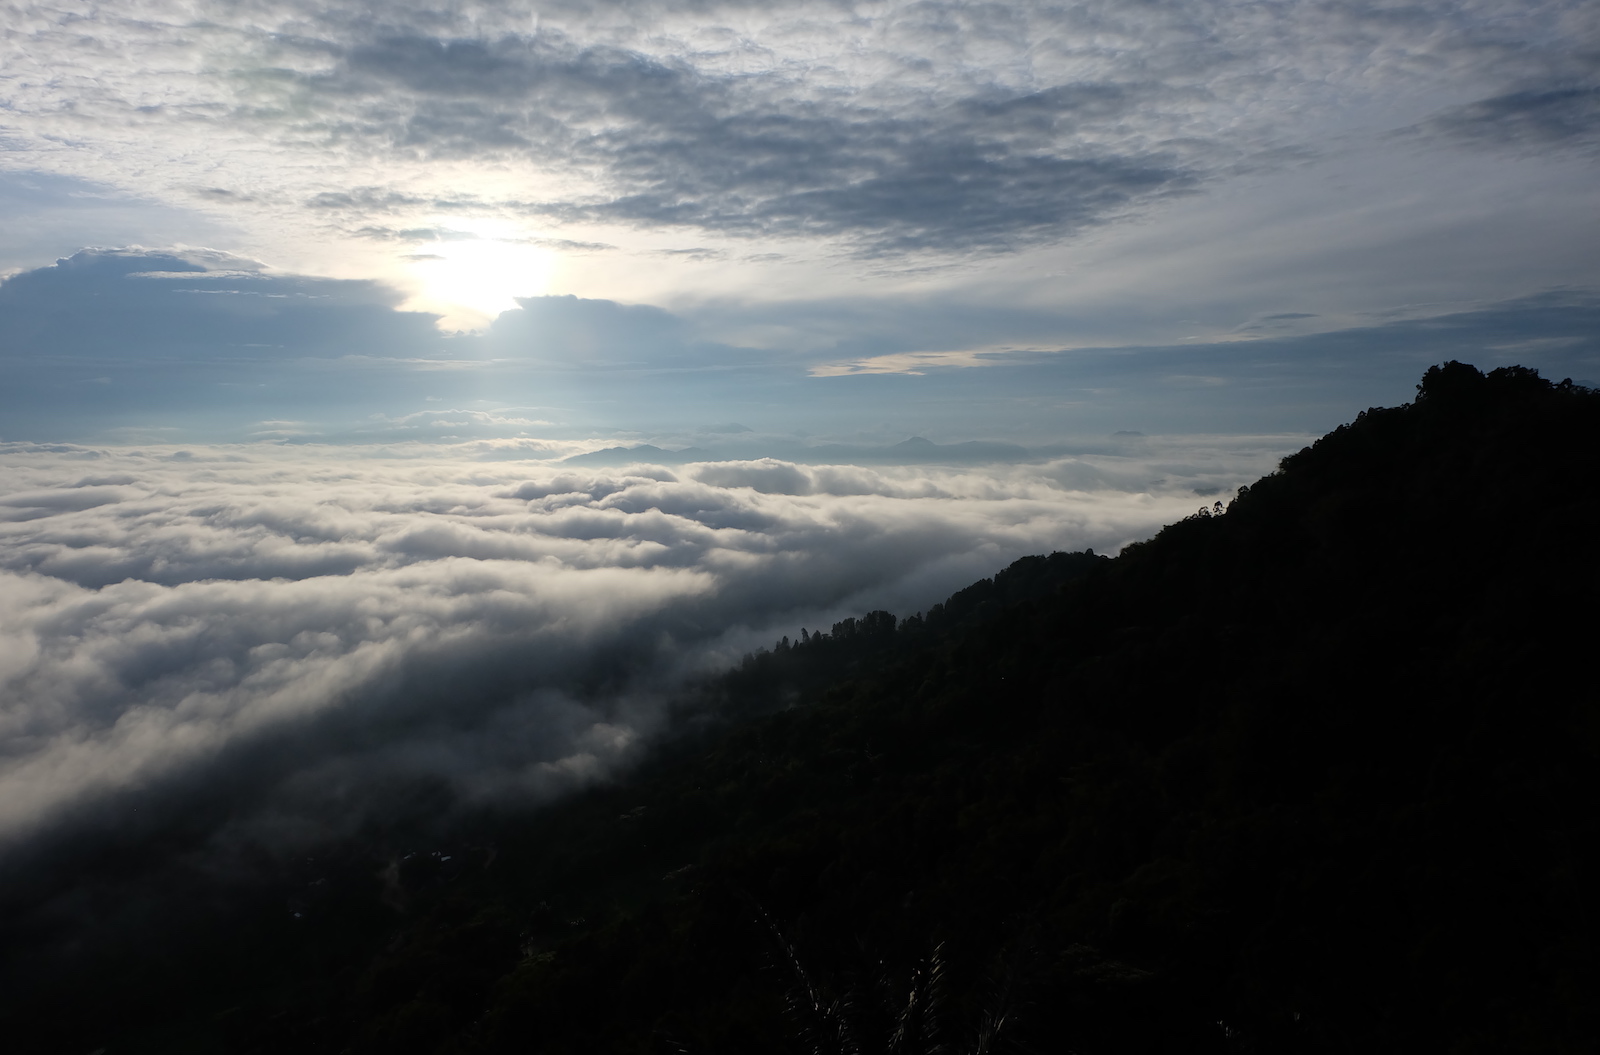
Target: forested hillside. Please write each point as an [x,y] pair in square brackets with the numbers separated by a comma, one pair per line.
[1314,771]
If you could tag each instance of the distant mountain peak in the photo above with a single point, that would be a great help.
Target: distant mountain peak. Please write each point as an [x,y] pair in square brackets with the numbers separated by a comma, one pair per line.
[644,452]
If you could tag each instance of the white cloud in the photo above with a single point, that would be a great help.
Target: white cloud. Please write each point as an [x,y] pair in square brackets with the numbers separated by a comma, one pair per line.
[163,609]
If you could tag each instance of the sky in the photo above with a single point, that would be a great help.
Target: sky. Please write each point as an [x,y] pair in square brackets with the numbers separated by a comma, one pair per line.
[642,218]
[371,374]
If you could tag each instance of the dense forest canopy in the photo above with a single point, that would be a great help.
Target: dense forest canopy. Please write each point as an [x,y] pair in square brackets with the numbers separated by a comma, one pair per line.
[1310,771]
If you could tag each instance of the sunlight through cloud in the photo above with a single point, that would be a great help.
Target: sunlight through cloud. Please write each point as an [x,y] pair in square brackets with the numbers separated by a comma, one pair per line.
[471,279]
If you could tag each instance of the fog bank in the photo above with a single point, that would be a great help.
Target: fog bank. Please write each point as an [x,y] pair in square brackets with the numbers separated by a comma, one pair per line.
[307,624]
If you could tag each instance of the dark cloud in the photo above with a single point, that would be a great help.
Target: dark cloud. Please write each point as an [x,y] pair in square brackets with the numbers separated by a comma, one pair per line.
[556,324]
[567,245]
[568,333]
[1046,120]
[1534,119]
[183,303]
[680,146]
[896,185]
[368,200]
[698,253]
[413,234]
[221,194]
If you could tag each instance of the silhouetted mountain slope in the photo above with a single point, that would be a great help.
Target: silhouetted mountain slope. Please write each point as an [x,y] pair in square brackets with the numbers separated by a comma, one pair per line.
[1316,773]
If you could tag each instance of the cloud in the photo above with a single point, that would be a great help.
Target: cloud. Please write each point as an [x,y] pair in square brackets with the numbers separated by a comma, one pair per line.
[882,128]
[767,476]
[1566,118]
[572,331]
[198,302]
[973,131]
[398,612]
[719,151]
[200,344]
[413,234]
[918,362]
[187,302]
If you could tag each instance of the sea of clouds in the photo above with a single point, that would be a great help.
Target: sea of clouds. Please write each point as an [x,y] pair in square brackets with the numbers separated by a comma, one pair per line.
[306,624]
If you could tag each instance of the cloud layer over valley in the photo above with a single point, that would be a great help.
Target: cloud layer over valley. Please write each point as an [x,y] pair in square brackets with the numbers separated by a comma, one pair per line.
[300,624]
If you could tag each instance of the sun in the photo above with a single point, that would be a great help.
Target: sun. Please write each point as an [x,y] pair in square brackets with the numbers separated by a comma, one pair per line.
[471,278]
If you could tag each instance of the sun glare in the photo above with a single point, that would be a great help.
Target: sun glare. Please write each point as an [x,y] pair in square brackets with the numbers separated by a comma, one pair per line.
[472,280]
